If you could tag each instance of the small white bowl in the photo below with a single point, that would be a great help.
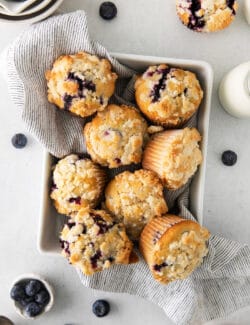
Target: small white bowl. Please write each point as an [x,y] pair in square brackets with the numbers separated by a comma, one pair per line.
[40,4]
[15,8]
[33,17]
[32,276]
[5,321]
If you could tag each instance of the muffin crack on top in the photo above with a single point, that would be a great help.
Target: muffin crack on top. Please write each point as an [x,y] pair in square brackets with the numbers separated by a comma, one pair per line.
[206,15]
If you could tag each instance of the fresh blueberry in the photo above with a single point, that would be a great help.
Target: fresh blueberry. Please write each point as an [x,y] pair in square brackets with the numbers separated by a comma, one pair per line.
[100,308]
[33,309]
[32,287]
[25,301]
[108,10]
[229,158]
[17,292]
[42,297]
[19,140]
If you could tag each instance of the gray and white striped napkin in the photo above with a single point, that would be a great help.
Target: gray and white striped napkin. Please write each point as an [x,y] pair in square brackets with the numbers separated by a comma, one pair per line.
[222,284]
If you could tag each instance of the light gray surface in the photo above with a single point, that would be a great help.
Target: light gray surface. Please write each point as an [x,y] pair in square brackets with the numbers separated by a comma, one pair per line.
[142,27]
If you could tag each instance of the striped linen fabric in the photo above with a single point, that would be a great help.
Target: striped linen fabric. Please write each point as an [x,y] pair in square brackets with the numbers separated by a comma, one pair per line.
[222,284]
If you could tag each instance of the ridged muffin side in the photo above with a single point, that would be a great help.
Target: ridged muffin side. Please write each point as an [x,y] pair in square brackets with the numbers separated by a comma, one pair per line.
[174,155]
[173,247]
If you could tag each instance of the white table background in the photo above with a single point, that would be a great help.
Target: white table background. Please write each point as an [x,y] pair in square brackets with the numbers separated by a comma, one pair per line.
[141,27]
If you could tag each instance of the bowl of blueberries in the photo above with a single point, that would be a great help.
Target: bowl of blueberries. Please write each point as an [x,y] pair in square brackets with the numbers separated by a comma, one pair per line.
[32,295]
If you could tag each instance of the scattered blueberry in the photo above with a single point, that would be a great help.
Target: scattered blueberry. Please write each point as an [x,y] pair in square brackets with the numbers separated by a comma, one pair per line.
[229,158]
[17,292]
[100,308]
[32,287]
[33,309]
[108,10]
[19,140]
[42,297]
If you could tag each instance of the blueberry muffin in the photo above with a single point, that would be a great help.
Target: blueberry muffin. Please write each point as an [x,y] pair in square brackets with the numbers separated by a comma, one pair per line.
[173,247]
[92,241]
[134,199]
[81,83]
[206,15]
[77,183]
[168,96]
[116,136]
[174,155]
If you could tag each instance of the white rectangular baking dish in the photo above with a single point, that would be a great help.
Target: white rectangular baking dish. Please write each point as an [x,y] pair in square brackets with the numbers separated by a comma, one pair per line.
[51,223]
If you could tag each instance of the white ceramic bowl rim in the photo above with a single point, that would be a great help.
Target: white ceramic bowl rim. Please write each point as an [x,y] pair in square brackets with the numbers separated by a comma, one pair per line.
[32,9]
[35,16]
[49,288]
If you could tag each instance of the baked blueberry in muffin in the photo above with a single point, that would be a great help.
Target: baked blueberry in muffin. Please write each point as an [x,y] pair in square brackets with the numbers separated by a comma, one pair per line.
[81,83]
[168,96]
[206,15]
[92,241]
